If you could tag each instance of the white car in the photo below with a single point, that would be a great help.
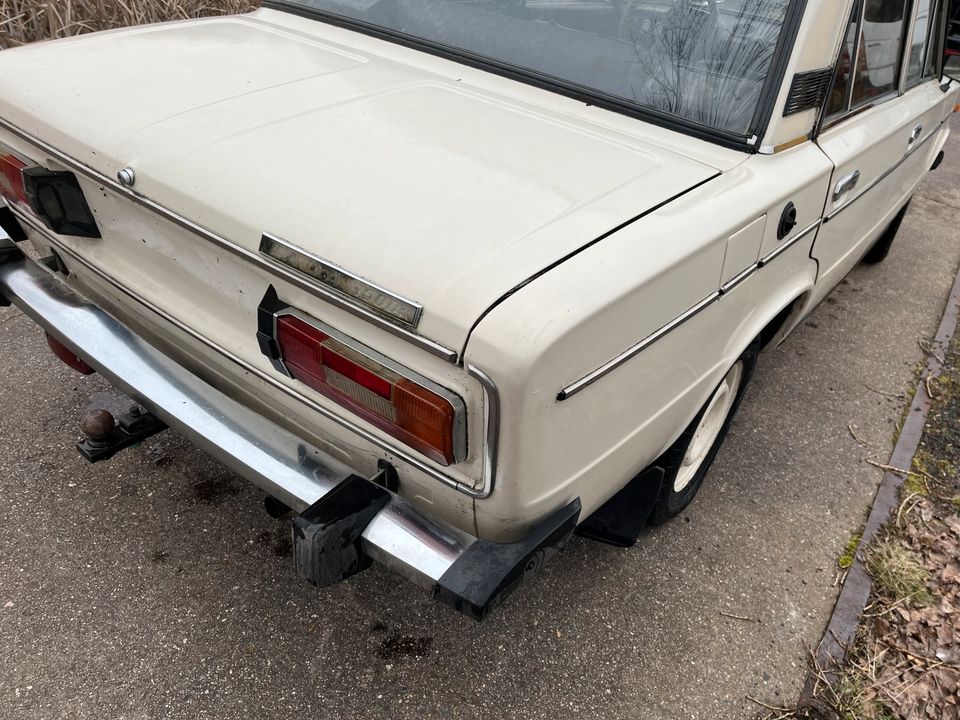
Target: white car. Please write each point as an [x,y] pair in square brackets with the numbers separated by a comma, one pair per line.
[449,279]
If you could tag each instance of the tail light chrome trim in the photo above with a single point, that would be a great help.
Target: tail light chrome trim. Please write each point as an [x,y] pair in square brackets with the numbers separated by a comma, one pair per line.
[491,447]
[274,268]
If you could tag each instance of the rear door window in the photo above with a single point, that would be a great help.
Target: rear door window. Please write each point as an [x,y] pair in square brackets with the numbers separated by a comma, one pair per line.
[871,58]
[881,47]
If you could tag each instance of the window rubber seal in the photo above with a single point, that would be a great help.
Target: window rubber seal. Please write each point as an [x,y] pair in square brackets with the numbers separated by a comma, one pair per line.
[574,91]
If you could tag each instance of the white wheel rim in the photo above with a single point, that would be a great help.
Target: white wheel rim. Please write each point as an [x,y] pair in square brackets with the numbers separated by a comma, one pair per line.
[712,422]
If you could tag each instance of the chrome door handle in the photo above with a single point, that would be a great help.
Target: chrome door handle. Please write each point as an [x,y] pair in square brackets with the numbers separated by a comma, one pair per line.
[847,183]
[915,135]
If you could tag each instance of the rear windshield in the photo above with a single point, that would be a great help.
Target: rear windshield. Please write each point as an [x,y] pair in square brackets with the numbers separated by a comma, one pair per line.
[702,61]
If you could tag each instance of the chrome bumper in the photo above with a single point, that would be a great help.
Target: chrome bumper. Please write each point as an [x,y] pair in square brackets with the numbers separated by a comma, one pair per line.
[469,574]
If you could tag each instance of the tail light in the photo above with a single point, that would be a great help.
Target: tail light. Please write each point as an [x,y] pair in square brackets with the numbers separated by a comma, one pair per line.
[427,419]
[68,356]
[53,196]
[11,181]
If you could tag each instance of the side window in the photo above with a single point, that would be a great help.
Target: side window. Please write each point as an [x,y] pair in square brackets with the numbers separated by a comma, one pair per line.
[840,94]
[881,47]
[922,60]
[871,56]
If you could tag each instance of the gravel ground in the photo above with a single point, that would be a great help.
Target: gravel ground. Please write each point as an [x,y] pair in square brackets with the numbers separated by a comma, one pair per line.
[154,586]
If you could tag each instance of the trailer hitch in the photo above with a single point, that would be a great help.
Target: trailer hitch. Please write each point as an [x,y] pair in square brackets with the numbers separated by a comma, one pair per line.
[106,436]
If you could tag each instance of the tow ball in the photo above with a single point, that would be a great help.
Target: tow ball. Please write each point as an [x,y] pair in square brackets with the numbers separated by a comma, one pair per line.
[105,436]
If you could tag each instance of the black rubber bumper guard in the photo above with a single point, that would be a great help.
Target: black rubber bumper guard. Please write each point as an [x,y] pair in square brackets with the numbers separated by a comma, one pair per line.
[327,548]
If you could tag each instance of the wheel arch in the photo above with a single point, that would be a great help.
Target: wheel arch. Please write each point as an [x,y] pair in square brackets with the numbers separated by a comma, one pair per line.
[785,321]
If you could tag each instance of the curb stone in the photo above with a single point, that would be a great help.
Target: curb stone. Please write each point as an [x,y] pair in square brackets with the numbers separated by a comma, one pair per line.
[837,638]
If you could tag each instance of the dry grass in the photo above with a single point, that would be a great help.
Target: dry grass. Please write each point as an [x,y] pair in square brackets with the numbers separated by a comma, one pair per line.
[897,573]
[24,21]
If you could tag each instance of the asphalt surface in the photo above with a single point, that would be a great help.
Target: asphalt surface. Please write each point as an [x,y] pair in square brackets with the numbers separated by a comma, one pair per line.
[154,586]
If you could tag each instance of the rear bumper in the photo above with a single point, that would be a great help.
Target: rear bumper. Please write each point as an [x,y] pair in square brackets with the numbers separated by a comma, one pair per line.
[346,520]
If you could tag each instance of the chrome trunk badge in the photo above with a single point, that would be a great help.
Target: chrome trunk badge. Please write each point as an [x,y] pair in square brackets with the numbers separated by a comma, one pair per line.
[361,291]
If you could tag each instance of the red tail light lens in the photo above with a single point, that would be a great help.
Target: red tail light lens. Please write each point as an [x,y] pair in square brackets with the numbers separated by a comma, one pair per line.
[11,180]
[68,356]
[406,410]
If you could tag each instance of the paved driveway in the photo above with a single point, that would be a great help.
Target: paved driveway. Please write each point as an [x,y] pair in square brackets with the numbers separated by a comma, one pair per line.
[154,586]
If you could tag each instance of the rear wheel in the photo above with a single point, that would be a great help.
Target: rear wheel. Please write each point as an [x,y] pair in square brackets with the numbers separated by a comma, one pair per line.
[881,248]
[687,461]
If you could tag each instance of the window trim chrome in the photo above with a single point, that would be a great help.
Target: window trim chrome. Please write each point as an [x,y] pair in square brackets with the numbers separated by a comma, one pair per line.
[275,268]
[907,49]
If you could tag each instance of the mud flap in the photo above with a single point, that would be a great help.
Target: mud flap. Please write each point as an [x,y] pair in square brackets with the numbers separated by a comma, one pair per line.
[326,536]
[621,519]
[487,573]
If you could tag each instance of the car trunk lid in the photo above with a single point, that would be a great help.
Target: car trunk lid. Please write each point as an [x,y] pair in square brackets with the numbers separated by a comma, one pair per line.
[440,191]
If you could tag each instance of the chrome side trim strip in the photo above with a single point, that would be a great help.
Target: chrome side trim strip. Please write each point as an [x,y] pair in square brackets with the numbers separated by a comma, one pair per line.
[396,451]
[571,390]
[492,419]
[269,264]
[787,244]
[733,282]
[887,173]
[619,360]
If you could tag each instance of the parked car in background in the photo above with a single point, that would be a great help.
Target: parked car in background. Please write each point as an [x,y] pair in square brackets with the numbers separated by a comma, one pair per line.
[450,279]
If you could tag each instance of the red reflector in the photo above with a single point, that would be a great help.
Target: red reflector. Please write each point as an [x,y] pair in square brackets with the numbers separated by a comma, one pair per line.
[11,180]
[68,356]
[397,405]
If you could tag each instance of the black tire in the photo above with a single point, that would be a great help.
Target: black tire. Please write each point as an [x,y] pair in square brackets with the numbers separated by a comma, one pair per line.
[881,248]
[672,501]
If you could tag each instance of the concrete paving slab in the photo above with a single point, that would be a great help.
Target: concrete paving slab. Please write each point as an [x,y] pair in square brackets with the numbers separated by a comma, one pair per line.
[155,587]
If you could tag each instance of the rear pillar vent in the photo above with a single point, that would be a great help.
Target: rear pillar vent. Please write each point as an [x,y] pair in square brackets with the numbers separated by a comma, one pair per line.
[808,91]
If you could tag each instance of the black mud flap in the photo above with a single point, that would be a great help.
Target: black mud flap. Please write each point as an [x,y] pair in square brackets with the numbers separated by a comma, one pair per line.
[622,518]
[488,572]
[326,536]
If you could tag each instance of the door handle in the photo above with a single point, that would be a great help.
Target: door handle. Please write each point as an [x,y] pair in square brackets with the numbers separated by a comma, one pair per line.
[915,134]
[847,183]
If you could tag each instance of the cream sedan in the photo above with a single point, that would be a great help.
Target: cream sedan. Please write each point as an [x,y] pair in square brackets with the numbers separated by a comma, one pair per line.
[452,279]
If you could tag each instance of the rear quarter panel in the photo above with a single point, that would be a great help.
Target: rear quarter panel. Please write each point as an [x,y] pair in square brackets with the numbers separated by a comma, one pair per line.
[598,304]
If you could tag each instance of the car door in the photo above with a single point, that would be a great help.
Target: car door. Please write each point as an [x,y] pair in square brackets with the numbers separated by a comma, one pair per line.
[884,113]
